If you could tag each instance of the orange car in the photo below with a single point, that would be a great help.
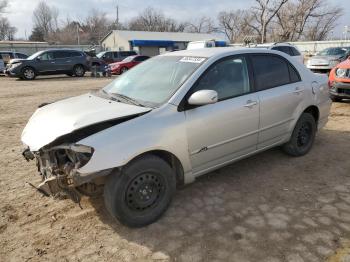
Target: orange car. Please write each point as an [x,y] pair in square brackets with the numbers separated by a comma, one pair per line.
[339,81]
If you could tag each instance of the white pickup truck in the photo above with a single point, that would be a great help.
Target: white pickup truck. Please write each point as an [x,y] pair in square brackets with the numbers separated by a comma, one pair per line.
[205,44]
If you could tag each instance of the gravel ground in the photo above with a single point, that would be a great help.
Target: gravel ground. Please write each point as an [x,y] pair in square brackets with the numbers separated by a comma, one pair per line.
[269,207]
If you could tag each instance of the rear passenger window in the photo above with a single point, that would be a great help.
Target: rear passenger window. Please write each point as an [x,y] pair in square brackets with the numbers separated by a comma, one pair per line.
[284,49]
[294,75]
[22,56]
[75,54]
[61,54]
[295,51]
[271,71]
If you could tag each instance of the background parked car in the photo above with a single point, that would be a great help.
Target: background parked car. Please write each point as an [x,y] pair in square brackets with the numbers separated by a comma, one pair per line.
[2,67]
[127,63]
[51,62]
[285,48]
[339,81]
[328,58]
[8,55]
[114,56]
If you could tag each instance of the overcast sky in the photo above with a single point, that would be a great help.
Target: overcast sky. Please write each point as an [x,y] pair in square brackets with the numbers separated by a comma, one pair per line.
[20,11]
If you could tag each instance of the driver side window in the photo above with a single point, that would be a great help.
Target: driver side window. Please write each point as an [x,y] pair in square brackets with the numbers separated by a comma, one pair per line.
[47,56]
[229,78]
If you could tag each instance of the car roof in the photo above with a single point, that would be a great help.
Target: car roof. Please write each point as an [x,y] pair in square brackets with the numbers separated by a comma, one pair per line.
[218,51]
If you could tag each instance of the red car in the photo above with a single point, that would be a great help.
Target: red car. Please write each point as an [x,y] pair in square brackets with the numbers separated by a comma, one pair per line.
[129,62]
[339,81]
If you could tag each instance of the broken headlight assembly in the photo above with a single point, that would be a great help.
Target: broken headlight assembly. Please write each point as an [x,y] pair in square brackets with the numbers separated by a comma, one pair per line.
[58,165]
[70,157]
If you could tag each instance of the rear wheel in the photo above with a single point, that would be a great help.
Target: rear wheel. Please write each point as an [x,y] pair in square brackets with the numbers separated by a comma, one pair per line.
[303,136]
[28,73]
[141,192]
[79,71]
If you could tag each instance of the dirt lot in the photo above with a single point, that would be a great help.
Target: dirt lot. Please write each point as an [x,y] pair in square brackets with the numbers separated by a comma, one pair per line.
[269,207]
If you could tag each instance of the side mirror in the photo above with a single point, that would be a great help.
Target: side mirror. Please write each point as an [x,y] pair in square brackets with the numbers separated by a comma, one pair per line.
[203,97]
[38,58]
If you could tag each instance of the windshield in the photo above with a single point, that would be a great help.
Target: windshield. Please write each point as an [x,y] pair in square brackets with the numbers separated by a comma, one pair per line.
[34,55]
[153,82]
[128,59]
[99,55]
[332,51]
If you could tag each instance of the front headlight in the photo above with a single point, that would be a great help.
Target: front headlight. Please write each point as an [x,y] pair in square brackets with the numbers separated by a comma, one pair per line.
[15,65]
[340,72]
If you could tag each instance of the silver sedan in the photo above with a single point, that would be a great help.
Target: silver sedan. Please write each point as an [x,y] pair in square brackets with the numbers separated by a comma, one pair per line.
[171,119]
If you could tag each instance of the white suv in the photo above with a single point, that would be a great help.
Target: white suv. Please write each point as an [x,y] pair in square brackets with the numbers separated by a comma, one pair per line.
[285,48]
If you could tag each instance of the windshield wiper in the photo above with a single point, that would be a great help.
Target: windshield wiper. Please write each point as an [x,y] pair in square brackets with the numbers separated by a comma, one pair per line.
[128,99]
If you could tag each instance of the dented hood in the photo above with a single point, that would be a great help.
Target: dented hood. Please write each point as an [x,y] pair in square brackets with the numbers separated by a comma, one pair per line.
[65,116]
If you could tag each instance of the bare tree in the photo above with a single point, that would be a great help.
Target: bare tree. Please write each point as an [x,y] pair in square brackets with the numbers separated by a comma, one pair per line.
[322,24]
[203,24]
[262,15]
[46,18]
[154,20]
[305,19]
[234,25]
[96,25]
[7,32]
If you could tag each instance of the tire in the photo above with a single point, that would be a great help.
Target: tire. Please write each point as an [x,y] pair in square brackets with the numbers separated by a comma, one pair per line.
[335,99]
[303,136]
[79,71]
[123,70]
[28,73]
[139,194]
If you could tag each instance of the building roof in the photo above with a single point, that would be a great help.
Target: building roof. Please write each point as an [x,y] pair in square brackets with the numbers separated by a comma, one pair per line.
[166,36]
[23,42]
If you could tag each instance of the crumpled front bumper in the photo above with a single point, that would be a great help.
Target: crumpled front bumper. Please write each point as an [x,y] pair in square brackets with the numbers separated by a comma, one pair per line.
[57,181]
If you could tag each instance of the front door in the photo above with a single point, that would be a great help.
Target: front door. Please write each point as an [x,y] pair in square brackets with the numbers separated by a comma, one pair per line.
[220,132]
[47,63]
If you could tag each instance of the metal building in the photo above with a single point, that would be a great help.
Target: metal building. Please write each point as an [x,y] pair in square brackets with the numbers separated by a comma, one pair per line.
[150,43]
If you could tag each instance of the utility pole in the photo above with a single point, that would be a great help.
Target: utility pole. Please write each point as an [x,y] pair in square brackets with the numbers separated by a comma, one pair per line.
[78,37]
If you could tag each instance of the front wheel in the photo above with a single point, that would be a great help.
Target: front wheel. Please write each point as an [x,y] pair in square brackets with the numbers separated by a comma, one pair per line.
[141,192]
[28,73]
[123,70]
[79,71]
[303,136]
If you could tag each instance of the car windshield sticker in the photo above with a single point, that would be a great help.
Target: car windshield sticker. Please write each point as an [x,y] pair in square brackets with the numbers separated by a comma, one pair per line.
[188,59]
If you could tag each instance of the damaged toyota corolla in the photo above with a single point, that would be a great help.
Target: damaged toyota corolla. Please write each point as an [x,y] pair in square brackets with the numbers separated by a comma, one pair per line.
[171,119]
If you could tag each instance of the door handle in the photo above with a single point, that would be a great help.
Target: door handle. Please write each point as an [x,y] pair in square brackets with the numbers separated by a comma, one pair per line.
[250,103]
[52,62]
[297,91]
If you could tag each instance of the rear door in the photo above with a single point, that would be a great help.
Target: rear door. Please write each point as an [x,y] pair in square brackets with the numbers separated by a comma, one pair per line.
[279,88]
[220,132]
[62,60]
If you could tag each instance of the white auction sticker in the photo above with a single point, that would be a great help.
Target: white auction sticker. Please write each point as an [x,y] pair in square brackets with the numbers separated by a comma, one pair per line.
[191,59]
